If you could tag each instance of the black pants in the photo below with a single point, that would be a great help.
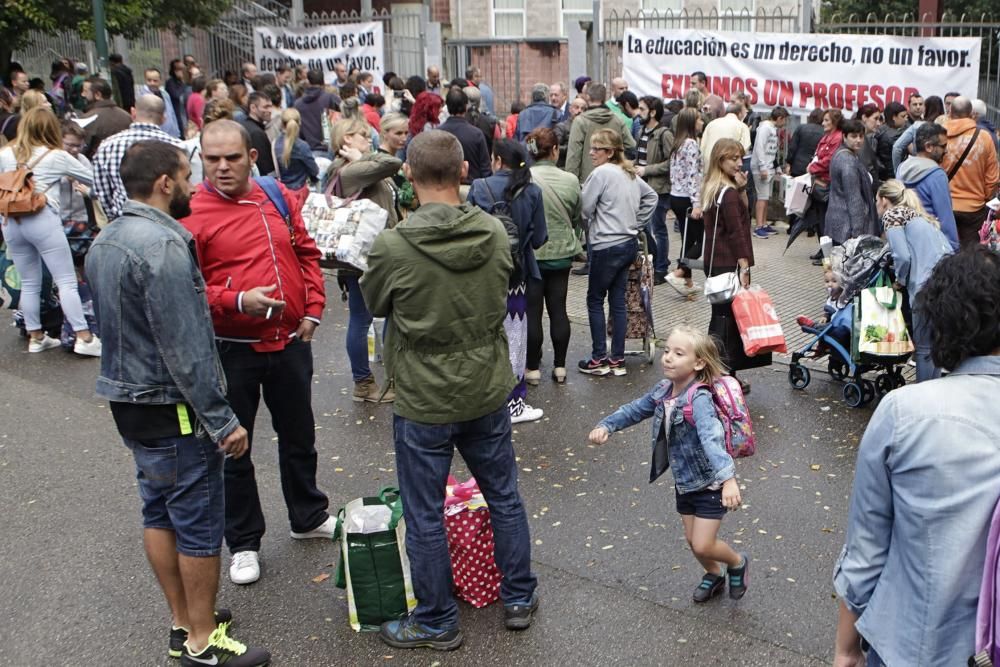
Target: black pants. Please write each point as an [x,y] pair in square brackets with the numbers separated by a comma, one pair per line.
[680,206]
[551,289]
[968,224]
[285,379]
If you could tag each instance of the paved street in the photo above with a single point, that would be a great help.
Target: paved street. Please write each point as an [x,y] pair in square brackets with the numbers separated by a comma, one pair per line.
[615,573]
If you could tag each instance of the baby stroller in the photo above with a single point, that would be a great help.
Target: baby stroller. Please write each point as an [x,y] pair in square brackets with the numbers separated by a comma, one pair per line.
[639,304]
[858,265]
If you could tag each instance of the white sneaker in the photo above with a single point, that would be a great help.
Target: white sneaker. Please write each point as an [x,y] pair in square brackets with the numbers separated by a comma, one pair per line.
[245,567]
[677,283]
[91,348]
[528,414]
[42,344]
[323,530]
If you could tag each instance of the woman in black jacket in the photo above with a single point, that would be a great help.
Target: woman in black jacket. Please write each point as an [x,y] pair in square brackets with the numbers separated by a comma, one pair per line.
[803,144]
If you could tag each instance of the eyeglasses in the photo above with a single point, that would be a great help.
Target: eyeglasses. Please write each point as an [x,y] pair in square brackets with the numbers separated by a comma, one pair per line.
[594,149]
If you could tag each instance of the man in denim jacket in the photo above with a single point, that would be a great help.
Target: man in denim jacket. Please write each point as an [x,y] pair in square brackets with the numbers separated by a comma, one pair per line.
[162,376]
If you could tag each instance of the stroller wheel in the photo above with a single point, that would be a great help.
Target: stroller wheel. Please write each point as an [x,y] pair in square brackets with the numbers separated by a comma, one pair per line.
[853,395]
[649,344]
[869,390]
[837,369]
[897,378]
[798,376]
[884,383]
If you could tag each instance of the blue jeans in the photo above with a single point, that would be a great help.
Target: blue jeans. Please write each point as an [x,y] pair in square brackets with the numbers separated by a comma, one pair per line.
[658,224]
[926,370]
[180,483]
[608,276]
[357,330]
[423,460]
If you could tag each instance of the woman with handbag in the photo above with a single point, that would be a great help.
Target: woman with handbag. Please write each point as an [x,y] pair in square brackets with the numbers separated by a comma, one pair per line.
[356,170]
[561,197]
[39,237]
[819,168]
[686,176]
[729,252]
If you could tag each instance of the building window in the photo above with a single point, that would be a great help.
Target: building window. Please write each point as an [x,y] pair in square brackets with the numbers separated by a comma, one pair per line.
[508,18]
[574,11]
[662,6]
[736,15]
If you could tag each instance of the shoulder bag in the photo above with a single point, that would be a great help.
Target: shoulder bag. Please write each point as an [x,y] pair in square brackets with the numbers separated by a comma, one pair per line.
[722,288]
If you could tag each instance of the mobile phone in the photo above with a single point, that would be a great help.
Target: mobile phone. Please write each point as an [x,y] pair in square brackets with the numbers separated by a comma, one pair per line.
[397,93]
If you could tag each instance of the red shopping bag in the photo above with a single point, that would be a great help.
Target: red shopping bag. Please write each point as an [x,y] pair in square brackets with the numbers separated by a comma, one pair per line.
[470,544]
[758,322]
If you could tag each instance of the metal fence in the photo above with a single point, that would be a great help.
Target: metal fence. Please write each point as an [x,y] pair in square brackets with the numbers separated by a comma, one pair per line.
[499,62]
[985,26]
[616,23]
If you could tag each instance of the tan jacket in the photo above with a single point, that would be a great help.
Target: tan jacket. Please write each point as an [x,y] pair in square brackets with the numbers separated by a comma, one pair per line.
[977,178]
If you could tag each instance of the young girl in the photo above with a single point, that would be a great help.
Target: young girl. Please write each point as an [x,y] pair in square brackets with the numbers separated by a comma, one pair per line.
[704,473]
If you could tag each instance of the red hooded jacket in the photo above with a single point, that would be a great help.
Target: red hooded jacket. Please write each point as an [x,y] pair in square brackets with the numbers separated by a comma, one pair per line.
[244,243]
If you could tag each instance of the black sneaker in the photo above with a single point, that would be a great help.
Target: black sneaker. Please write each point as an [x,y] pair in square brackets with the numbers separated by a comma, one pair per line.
[518,616]
[224,650]
[179,635]
[594,366]
[710,586]
[659,278]
[617,367]
[407,633]
[738,578]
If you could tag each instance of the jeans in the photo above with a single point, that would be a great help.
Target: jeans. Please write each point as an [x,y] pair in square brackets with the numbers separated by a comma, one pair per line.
[285,378]
[357,330]
[608,277]
[423,459]
[658,224]
[180,483]
[926,370]
[552,290]
[41,238]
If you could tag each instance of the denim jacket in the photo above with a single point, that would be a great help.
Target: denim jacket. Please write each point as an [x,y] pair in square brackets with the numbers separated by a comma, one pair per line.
[696,453]
[156,329]
[925,485]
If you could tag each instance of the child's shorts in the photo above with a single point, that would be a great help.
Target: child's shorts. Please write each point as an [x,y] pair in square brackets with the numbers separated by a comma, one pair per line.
[704,504]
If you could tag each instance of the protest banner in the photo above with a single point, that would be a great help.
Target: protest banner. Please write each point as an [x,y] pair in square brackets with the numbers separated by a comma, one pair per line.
[353,44]
[800,71]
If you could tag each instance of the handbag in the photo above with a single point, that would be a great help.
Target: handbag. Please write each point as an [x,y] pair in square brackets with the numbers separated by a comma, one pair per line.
[722,288]
[879,327]
[694,237]
[344,229]
[470,544]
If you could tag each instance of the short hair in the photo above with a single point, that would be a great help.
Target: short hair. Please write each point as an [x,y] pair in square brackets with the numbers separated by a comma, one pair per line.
[223,126]
[144,163]
[152,69]
[470,72]
[475,97]
[816,116]
[961,107]
[779,112]
[281,69]
[735,107]
[852,126]
[314,77]
[836,115]
[198,83]
[393,121]
[349,89]
[700,76]
[961,301]
[364,76]
[597,93]
[257,97]
[115,59]
[540,92]
[927,133]
[435,158]
[69,128]
[375,100]
[655,106]
[866,110]
[978,107]
[629,98]
[912,95]
[952,94]
[99,85]
[246,66]
[456,101]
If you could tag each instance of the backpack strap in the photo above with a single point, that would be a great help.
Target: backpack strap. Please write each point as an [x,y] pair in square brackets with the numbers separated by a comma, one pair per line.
[965,154]
[688,408]
[273,192]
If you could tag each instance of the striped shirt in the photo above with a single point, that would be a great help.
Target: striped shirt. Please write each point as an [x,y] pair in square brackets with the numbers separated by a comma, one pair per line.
[107,161]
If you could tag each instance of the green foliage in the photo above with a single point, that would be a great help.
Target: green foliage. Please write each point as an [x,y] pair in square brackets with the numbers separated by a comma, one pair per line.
[841,10]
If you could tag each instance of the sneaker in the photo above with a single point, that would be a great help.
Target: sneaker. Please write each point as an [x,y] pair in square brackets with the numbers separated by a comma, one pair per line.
[617,367]
[710,586]
[817,255]
[88,348]
[582,271]
[245,567]
[224,650]
[518,616]
[407,633]
[761,233]
[179,635]
[559,374]
[659,278]
[533,377]
[42,344]
[594,366]
[769,229]
[366,390]
[528,414]
[323,530]
[738,578]
[677,283]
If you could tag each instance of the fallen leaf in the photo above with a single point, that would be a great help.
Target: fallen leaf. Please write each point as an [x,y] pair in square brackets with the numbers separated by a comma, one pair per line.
[320,578]
[814,466]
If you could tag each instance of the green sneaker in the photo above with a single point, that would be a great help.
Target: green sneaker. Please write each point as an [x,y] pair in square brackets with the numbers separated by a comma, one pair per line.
[224,650]
[180,635]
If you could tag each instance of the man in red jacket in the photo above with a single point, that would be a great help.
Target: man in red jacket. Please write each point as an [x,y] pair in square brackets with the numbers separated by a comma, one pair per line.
[266,294]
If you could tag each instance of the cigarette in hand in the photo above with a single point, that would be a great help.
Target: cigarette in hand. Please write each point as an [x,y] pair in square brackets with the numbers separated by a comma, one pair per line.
[268,315]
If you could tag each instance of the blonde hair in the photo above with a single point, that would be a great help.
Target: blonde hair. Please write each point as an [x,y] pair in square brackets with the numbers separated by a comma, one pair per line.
[899,195]
[706,350]
[611,140]
[291,123]
[716,179]
[393,121]
[218,110]
[33,99]
[38,127]
[344,127]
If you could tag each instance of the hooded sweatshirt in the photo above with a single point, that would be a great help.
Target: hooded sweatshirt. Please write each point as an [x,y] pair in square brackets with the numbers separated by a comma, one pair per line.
[440,280]
[977,178]
[929,181]
[311,106]
[583,127]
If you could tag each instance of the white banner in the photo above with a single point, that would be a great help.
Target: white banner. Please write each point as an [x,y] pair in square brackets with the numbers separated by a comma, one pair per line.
[353,44]
[801,71]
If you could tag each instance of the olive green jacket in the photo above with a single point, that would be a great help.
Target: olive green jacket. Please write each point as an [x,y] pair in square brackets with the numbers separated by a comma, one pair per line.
[561,197]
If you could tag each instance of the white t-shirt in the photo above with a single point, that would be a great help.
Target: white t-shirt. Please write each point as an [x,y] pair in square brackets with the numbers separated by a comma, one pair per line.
[49,170]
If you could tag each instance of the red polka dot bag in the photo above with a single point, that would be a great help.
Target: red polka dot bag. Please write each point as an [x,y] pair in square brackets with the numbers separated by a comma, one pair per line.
[470,544]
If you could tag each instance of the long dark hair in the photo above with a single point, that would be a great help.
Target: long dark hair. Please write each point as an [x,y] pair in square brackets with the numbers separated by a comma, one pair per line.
[513,156]
[933,107]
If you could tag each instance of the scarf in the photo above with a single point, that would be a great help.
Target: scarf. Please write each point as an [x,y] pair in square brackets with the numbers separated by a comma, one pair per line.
[898,216]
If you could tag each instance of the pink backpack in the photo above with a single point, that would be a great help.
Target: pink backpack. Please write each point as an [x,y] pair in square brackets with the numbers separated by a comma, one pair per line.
[988,613]
[732,409]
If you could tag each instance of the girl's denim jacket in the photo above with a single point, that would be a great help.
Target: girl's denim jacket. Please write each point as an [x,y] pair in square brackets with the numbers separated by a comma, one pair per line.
[696,453]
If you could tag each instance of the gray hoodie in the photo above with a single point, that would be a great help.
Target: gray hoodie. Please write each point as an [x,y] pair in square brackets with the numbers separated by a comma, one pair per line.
[615,205]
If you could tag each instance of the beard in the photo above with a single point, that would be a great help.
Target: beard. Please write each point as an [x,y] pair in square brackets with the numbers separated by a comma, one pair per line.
[180,204]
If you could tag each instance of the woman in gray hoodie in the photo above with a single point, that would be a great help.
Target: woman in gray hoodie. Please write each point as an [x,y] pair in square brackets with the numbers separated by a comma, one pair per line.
[616,204]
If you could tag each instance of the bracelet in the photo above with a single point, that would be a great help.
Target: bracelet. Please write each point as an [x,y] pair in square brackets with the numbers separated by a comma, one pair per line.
[746,270]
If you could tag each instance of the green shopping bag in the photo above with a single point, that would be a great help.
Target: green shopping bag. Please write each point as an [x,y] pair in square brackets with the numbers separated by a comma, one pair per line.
[373,566]
[879,327]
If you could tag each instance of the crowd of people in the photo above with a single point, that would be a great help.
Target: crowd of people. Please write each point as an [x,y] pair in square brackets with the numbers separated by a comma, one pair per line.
[179,202]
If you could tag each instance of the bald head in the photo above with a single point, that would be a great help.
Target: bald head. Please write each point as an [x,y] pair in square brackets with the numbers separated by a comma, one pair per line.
[224,129]
[961,107]
[227,157]
[149,109]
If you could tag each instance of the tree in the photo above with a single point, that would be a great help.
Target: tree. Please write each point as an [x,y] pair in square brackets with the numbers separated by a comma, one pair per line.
[898,9]
[128,18]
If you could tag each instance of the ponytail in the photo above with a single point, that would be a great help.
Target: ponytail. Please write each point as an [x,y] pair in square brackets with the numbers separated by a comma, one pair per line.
[291,123]
[513,156]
